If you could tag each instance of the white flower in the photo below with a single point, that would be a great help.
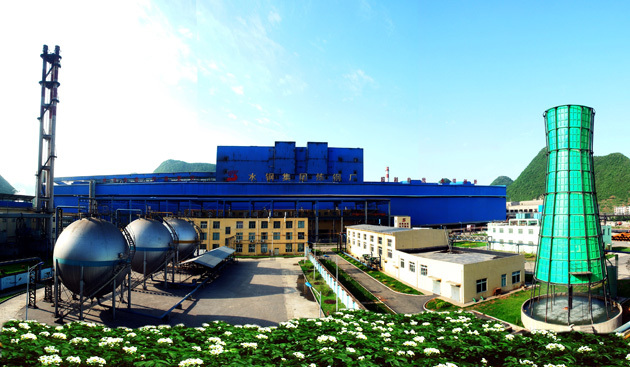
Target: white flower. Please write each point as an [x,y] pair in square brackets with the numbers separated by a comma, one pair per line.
[584,349]
[215,340]
[361,336]
[628,357]
[457,330]
[51,350]
[298,355]
[9,329]
[73,359]
[164,326]
[410,353]
[96,361]
[50,360]
[44,333]
[109,341]
[59,336]
[419,339]
[410,343]
[326,339]
[400,353]
[431,351]
[360,358]
[191,362]
[197,348]
[215,349]
[78,340]
[350,350]
[28,336]
[228,333]
[130,350]
[484,361]
[24,325]
[426,323]
[509,336]
[131,335]
[249,345]
[527,362]
[165,341]
[262,336]
[554,346]
[386,335]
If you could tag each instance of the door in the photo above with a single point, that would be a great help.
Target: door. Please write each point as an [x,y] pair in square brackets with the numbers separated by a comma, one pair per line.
[276,251]
[455,293]
[437,285]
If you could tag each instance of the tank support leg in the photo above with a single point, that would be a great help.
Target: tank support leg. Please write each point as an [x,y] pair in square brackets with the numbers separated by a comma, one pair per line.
[81,284]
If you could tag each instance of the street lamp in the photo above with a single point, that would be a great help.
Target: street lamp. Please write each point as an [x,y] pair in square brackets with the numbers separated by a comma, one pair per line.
[320,296]
[28,282]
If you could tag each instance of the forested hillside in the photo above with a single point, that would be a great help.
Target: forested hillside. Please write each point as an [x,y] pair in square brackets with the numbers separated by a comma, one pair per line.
[172,165]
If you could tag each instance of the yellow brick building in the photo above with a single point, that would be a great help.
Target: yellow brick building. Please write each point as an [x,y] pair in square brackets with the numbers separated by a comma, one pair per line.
[254,236]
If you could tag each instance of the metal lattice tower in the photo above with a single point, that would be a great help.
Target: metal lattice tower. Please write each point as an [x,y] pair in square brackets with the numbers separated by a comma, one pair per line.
[47,124]
[571,252]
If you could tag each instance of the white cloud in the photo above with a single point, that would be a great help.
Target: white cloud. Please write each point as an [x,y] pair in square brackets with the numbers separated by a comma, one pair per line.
[357,80]
[238,90]
[232,116]
[274,18]
[291,85]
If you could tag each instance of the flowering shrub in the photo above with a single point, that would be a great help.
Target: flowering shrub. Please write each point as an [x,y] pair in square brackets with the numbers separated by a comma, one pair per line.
[353,338]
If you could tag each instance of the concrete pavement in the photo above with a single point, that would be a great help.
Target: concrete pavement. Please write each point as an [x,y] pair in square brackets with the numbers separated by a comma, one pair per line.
[398,302]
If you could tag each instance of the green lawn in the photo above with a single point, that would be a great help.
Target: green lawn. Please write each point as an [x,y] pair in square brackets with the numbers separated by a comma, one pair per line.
[322,288]
[621,248]
[390,282]
[469,244]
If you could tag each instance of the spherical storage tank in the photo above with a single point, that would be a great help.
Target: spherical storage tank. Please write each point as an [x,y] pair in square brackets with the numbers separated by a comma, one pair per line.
[186,234]
[97,247]
[153,244]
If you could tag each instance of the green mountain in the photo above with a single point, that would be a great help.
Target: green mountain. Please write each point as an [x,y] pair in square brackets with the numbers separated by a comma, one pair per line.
[612,180]
[172,166]
[502,180]
[5,187]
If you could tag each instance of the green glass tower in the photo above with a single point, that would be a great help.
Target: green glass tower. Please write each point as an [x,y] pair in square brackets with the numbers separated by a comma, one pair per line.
[570,248]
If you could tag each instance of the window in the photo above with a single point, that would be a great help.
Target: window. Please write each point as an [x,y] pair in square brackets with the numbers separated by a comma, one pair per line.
[216,236]
[301,236]
[239,248]
[276,224]
[371,238]
[530,242]
[289,247]
[530,231]
[239,224]
[215,245]
[252,247]
[263,236]
[216,224]
[389,242]
[289,224]
[423,270]
[482,285]
[510,230]
[263,248]
[500,230]
[503,280]
[239,236]
[204,235]
[227,230]
[510,242]
[516,277]
[252,224]
[501,240]
[264,224]
[300,247]
[380,251]
[289,236]
[389,253]
[364,245]
[380,240]
[364,237]
[203,224]
[520,231]
[252,236]
[412,266]
[300,224]
[402,263]
[494,230]
[276,235]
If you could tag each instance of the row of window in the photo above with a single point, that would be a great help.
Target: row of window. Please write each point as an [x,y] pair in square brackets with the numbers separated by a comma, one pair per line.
[216,224]
[511,230]
[264,248]
[519,242]
[288,236]
[380,239]
[482,284]
[424,270]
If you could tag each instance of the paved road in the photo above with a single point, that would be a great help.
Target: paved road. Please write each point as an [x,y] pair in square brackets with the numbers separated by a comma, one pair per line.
[251,291]
[399,302]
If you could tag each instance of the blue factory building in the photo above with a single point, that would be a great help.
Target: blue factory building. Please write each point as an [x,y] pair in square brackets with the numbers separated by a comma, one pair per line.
[321,183]
[286,163]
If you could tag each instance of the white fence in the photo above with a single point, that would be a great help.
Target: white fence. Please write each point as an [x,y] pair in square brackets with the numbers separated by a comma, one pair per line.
[342,293]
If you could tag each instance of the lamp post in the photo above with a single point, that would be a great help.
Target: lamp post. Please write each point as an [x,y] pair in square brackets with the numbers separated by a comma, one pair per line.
[27,287]
[316,292]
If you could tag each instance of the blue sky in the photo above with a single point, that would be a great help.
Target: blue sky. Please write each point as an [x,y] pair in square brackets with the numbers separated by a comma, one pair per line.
[431,89]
